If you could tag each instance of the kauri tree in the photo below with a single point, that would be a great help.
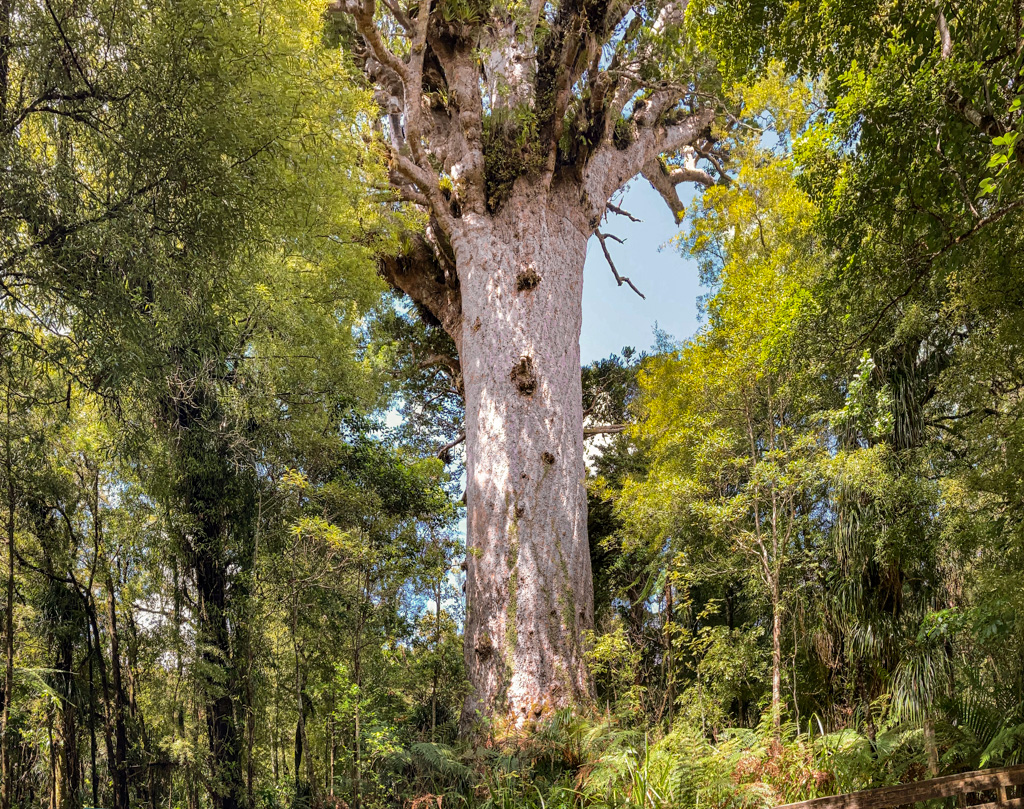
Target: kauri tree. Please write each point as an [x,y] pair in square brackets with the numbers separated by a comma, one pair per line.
[511,125]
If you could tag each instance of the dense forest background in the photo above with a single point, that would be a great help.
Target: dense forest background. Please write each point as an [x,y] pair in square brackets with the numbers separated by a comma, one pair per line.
[228,582]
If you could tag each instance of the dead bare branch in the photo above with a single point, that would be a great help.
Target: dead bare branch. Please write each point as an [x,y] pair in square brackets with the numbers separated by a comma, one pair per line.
[619,279]
[621,212]
[603,429]
[444,453]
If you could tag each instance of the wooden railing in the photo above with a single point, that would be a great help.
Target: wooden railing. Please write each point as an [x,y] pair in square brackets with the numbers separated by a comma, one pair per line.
[995,781]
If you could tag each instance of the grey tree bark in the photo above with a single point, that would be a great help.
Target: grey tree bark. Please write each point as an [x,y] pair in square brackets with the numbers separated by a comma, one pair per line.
[528,589]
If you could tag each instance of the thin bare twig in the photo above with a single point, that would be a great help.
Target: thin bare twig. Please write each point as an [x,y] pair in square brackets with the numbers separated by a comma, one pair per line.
[619,279]
[621,212]
[447,448]
[603,429]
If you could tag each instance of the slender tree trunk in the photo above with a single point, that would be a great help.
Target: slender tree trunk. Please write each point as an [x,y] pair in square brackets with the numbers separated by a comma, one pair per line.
[796,700]
[274,739]
[93,777]
[115,695]
[138,718]
[300,724]
[437,660]
[330,754]
[6,7]
[357,673]
[194,772]
[119,767]
[5,747]
[357,783]
[302,745]
[54,778]
[776,661]
[228,787]
[250,737]
[314,782]
[670,675]
[298,754]
[528,585]
[66,763]
[931,747]
[108,731]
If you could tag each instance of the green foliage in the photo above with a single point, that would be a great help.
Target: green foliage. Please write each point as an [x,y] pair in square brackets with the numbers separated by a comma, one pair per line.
[823,407]
[462,16]
[1006,156]
[511,150]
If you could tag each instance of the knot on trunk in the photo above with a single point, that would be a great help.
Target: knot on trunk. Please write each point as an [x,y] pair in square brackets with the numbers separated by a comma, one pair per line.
[527,280]
[522,376]
[548,458]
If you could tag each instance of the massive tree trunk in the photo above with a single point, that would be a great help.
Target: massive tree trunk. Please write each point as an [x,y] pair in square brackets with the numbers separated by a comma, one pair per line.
[513,144]
[529,594]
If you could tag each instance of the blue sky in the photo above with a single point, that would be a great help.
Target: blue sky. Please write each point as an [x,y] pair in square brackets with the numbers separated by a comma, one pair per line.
[615,316]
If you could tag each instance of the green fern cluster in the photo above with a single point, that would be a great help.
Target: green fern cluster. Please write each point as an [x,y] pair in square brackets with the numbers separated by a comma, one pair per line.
[511,151]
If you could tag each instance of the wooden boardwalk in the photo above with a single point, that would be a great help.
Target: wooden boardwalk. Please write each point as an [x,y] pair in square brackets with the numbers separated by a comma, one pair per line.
[996,781]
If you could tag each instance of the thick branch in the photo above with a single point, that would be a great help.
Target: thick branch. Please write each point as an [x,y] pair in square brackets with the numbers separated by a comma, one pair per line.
[622,78]
[988,124]
[449,363]
[693,127]
[362,12]
[664,179]
[408,155]
[468,171]
[572,46]
[944,38]
[414,85]
[419,274]
[406,190]
[400,15]
[610,167]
